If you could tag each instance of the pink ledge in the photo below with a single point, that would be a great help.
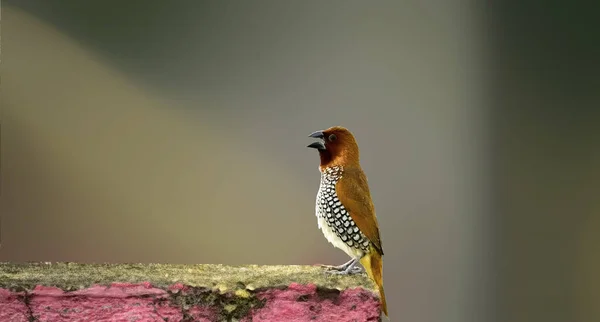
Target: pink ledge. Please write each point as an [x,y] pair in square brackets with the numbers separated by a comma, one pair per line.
[142,302]
[303,303]
[48,292]
[117,302]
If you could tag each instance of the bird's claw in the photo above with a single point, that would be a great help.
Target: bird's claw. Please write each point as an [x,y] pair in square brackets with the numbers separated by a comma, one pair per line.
[353,270]
[333,268]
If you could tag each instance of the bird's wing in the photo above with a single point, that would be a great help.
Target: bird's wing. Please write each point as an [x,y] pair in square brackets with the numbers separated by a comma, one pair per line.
[353,191]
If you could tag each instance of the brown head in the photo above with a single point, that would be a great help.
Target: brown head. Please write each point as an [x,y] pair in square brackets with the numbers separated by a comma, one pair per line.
[337,147]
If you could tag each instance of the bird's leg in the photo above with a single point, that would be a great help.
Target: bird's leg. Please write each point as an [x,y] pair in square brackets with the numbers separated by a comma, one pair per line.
[350,269]
[340,267]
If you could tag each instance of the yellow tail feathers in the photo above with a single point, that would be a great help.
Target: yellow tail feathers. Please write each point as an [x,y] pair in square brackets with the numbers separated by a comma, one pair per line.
[373,265]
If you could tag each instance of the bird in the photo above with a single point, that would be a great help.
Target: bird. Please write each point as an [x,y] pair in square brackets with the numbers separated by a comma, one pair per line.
[344,208]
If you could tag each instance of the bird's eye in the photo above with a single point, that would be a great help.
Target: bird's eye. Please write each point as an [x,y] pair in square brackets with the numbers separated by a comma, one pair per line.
[332,137]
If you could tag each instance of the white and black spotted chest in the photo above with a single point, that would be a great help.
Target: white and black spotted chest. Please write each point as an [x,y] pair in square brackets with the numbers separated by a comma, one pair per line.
[331,211]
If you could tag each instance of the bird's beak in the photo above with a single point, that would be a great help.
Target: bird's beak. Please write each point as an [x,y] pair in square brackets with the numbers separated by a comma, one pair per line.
[319,145]
[317,134]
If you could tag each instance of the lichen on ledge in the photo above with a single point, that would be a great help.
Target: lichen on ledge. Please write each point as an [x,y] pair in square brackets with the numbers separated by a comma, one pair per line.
[169,292]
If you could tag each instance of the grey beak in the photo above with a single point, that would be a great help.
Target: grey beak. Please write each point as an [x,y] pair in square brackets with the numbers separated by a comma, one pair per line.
[317,145]
[317,134]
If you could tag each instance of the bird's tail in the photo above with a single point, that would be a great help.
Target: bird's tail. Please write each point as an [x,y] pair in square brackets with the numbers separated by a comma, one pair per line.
[373,264]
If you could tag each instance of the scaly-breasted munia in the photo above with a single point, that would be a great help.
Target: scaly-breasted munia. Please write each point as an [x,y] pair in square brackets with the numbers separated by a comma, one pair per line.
[344,209]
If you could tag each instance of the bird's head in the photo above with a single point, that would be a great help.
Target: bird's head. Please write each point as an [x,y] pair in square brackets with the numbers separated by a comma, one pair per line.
[336,147]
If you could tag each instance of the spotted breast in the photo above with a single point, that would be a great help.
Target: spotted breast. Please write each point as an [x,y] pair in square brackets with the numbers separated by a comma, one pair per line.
[333,218]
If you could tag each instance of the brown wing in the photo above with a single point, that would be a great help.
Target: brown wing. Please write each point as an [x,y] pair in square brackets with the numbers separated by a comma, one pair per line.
[353,191]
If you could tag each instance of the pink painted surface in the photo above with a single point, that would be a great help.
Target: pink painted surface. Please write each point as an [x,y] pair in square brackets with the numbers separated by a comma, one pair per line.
[12,307]
[143,302]
[301,303]
[117,302]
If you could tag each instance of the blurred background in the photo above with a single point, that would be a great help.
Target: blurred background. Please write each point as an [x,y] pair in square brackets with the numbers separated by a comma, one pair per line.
[176,132]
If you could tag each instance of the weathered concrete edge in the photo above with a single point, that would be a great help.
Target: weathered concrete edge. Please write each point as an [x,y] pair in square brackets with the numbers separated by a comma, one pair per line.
[73,276]
[231,290]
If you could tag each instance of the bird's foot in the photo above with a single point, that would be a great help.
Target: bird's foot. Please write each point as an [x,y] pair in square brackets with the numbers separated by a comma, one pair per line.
[347,268]
[334,268]
[342,267]
[348,271]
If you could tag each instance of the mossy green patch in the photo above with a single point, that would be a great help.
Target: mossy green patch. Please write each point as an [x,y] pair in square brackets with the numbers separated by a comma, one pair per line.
[72,276]
[228,306]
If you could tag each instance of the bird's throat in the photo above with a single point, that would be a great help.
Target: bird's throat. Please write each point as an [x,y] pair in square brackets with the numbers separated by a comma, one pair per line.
[326,158]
